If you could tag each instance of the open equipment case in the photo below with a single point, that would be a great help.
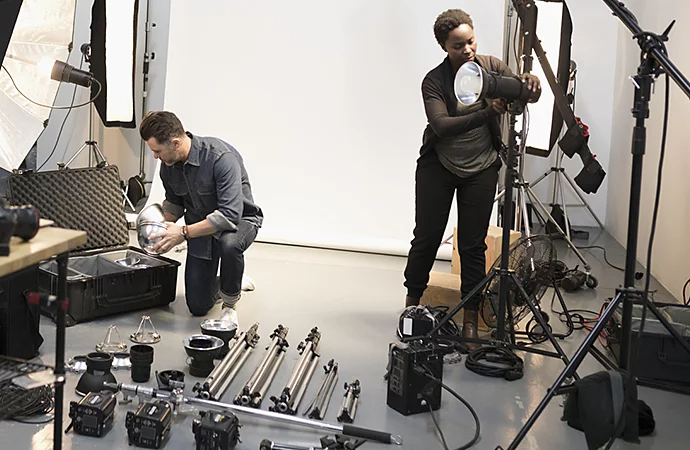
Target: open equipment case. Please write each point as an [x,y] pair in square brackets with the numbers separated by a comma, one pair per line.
[105,276]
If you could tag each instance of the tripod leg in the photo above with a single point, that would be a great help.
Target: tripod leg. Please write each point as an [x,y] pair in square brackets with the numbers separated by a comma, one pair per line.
[523,209]
[565,207]
[582,199]
[544,175]
[499,195]
[76,154]
[540,320]
[560,230]
[127,201]
[99,153]
[570,368]
[568,319]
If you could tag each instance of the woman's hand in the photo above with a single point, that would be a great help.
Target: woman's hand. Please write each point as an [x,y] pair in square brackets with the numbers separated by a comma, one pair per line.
[170,238]
[533,83]
[498,106]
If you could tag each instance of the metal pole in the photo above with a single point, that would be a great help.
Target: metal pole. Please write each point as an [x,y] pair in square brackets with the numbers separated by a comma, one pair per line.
[177,398]
[145,94]
[59,371]
[231,376]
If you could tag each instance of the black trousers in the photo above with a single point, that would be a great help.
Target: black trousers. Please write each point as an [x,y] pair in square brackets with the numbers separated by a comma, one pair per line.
[435,187]
[200,274]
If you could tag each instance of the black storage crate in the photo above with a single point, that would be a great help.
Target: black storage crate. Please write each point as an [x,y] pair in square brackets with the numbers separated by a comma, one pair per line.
[104,276]
[659,356]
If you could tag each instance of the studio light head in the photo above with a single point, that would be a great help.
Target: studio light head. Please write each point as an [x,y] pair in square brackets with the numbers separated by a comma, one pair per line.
[60,71]
[472,83]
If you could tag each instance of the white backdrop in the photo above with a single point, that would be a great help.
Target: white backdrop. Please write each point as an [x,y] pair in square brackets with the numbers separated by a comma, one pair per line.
[323,100]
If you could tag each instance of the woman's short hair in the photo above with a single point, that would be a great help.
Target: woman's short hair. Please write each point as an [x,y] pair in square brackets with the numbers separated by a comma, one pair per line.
[449,20]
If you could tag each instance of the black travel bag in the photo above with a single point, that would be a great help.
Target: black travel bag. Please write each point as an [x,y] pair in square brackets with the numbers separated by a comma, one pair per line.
[104,276]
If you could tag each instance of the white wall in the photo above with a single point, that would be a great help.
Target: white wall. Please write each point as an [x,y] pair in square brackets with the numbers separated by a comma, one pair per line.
[120,146]
[671,254]
[594,46]
[323,100]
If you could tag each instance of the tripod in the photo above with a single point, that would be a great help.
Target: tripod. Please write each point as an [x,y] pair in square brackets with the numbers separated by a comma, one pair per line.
[654,61]
[91,145]
[507,278]
[558,192]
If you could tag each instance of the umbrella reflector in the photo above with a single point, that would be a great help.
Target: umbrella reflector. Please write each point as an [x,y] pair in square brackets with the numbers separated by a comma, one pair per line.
[43,30]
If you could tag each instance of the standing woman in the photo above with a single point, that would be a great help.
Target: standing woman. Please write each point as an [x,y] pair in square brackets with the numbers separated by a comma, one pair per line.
[459,156]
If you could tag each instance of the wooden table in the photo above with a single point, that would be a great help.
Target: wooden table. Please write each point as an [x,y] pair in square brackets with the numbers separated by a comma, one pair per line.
[47,243]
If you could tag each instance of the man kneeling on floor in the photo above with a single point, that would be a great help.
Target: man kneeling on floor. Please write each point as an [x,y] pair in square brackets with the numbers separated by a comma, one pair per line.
[204,179]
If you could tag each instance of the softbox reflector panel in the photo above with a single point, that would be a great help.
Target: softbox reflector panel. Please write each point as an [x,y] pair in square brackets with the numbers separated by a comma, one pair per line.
[43,29]
[113,59]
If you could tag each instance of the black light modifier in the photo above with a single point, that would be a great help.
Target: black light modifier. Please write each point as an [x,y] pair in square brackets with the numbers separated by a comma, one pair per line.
[473,83]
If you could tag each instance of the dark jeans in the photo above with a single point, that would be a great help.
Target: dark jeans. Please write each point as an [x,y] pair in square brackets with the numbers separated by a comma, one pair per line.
[434,189]
[200,274]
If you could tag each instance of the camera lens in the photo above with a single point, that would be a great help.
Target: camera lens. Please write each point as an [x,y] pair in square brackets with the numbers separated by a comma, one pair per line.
[24,220]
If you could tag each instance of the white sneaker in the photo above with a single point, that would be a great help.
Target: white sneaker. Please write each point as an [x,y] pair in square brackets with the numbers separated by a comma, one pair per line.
[247,283]
[230,315]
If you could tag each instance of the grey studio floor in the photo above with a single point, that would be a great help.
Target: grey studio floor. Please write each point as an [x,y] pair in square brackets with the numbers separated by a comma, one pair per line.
[355,300]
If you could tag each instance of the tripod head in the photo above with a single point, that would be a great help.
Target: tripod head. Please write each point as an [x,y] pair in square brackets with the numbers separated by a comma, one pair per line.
[654,57]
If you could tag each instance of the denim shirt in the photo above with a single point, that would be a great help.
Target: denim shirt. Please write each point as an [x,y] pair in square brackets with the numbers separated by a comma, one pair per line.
[211,184]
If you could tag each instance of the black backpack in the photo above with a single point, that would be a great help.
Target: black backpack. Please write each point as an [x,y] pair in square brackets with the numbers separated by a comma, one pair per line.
[604,404]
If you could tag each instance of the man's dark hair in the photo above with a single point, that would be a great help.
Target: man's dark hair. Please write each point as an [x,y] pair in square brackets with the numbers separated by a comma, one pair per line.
[447,21]
[162,125]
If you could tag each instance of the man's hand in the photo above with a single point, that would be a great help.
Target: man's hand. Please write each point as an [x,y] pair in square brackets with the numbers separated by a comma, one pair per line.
[169,238]
[499,106]
[533,83]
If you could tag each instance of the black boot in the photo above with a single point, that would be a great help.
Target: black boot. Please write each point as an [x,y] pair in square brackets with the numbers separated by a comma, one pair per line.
[469,328]
[411,301]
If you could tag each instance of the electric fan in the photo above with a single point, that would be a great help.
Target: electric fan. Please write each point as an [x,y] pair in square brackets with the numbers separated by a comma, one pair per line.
[533,260]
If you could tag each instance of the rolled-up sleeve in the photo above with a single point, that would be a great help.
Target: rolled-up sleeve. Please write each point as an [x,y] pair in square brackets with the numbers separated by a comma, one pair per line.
[172,204]
[228,175]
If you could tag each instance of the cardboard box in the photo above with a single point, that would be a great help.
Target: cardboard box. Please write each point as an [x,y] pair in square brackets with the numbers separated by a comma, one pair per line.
[493,247]
[444,290]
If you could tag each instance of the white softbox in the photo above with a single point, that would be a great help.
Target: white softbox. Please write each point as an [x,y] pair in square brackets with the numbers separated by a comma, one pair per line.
[113,45]
[43,29]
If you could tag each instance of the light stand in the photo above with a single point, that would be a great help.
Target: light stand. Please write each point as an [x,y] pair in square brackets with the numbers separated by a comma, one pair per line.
[90,143]
[654,61]
[527,13]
